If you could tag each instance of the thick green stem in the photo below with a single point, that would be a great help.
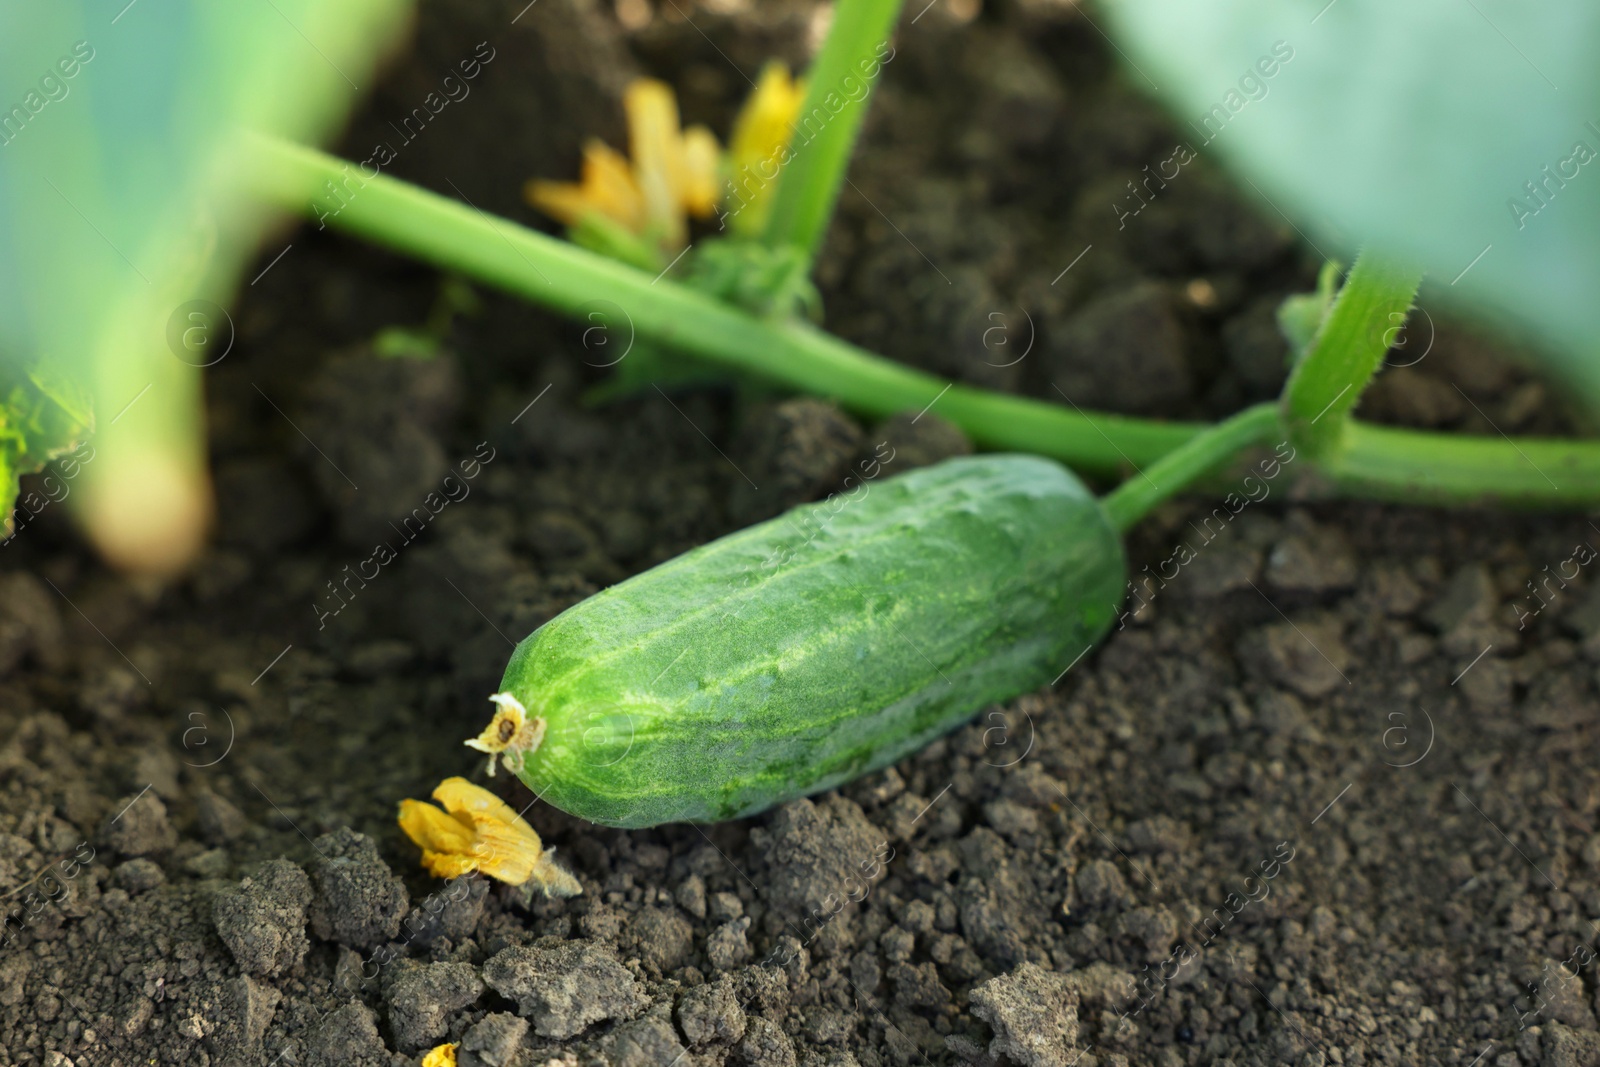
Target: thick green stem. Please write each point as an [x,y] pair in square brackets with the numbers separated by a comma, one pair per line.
[1374,461]
[1188,463]
[1345,353]
[1418,467]
[838,87]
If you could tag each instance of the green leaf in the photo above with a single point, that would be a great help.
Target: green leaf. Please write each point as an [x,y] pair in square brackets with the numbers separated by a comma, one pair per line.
[1414,129]
[122,229]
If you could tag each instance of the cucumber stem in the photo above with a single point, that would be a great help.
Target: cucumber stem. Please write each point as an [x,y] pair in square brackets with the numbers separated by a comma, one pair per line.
[1413,466]
[573,281]
[1345,353]
[809,185]
[1194,459]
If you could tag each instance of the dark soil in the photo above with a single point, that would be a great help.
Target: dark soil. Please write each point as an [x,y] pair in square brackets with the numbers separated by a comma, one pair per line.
[1320,800]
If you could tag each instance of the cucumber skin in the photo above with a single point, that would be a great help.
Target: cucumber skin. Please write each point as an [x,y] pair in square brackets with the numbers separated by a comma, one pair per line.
[795,655]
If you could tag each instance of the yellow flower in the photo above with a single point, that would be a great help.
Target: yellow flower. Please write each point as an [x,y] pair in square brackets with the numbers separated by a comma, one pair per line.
[441,1056]
[672,174]
[607,188]
[477,831]
[760,144]
[765,124]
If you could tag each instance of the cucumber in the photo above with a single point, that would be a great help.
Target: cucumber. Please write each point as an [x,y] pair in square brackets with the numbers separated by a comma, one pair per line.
[795,655]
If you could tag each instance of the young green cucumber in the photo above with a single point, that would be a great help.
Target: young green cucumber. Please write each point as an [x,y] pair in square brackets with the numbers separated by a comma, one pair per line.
[795,655]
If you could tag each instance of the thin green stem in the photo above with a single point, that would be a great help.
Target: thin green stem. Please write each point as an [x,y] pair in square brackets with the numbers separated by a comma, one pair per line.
[1188,463]
[838,88]
[576,282]
[1374,461]
[1345,353]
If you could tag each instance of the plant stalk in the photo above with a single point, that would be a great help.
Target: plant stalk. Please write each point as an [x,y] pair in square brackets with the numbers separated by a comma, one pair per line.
[1191,461]
[1407,465]
[1345,353]
[838,89]
[576,282]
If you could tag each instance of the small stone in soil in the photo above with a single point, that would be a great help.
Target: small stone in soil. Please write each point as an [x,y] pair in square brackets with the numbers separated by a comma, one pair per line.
[918,986]
[212,863]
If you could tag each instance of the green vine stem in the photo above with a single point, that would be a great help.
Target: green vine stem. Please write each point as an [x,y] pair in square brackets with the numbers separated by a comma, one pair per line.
[1345,353]
[838,88]
[1188,463]
[1408,465]
[572,280]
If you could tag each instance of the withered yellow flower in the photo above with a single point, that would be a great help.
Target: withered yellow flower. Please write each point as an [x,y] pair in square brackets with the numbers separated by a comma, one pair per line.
[441,1056]
[511,734]
[672,173]
[477,831]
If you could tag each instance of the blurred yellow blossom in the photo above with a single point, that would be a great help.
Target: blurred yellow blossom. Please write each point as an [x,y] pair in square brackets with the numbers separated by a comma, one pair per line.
[760,144]
[607,187]
[672,174]
[477,831]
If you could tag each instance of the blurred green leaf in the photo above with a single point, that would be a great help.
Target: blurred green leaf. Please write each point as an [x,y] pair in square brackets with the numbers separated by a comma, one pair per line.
[122,231]
[1415,129]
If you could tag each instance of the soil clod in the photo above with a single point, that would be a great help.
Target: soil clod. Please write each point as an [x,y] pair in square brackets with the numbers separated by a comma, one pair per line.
[564,987]
[1034,1015]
